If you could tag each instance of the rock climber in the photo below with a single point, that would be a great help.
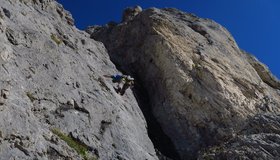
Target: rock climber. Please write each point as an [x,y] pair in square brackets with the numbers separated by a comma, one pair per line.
[128,82]
[117,78]
[125,80]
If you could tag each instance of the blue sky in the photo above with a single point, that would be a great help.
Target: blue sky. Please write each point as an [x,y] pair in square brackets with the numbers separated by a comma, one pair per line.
[255,24]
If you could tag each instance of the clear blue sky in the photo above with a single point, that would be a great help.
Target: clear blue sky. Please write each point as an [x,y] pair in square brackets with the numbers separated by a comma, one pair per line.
[255,24]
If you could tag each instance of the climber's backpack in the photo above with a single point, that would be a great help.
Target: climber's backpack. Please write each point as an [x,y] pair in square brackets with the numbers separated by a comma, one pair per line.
[116,78]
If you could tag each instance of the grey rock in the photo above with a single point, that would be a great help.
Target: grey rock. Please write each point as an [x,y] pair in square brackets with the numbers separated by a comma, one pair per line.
[259,139]
[6,53]
[55,80]
[92,29]
[130,12]
[7,12]
[257,146]
[203,89]
[4,93]
[263,71]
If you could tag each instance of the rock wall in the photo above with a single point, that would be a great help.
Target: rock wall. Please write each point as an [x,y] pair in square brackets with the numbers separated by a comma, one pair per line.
[55,102]
[203,89]
[213,100]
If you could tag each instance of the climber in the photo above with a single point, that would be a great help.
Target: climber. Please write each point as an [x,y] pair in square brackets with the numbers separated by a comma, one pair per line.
[117,78]
[128,82]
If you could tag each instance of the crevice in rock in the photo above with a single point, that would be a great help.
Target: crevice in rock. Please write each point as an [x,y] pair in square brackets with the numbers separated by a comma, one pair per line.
[161,141]
[52,153]
[163,145]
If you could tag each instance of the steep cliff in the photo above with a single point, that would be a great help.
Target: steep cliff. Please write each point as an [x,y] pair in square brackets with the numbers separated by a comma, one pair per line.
[212,99]
[202,96]
[55,102]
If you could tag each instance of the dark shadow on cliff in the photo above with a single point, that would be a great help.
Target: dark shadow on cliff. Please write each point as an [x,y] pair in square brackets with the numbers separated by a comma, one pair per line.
[161,141]
[164,147]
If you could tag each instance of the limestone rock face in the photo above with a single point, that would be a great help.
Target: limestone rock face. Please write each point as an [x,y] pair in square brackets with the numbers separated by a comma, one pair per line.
[53,89]
[258,140]
[203,89]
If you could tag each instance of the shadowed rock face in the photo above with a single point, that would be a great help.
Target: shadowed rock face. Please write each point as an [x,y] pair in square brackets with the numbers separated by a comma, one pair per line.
[203,89]
[52,77]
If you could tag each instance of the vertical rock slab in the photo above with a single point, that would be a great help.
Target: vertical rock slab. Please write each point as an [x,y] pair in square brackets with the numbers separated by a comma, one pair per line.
[55,102]
[203,88]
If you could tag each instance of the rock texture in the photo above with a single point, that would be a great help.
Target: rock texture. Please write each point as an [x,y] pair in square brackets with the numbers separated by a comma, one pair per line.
[52,80]
[203,89]
[258,140]
[213,100]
